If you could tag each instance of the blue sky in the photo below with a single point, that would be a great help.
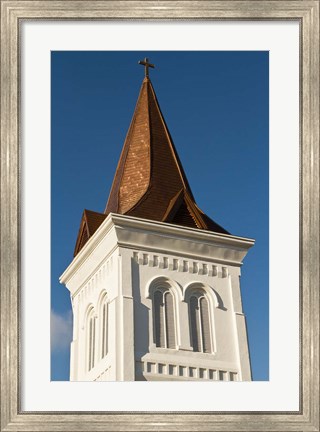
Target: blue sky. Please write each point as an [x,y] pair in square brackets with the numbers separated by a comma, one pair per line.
[216,106]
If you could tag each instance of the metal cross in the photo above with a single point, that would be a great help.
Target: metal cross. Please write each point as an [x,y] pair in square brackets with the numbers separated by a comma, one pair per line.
[146,65]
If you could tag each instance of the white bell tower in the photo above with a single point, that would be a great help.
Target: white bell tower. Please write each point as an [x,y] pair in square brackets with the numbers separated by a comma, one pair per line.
[119,283]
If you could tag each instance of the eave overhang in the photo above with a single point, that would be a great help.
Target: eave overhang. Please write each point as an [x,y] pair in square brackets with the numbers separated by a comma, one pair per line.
[161,237]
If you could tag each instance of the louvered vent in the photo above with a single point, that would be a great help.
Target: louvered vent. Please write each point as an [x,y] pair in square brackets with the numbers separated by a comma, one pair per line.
[158,311]
[104,348]
[205,325]
[91,341]
[195,324]
[200,324]
[164,319]
[170,322]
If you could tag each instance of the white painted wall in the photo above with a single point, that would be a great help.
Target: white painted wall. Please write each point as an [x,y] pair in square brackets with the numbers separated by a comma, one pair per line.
[125,257]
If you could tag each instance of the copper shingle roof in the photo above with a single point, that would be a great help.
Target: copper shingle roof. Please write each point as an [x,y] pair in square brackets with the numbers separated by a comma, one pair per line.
[149,171]
[149,181]
[90,222]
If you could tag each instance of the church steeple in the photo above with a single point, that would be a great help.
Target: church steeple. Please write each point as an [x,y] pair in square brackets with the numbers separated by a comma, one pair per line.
[149,172]
[132,275]
[150,182]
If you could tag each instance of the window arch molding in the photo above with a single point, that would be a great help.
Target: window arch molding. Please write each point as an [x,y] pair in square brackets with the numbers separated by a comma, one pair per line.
[103,324]
[101,298]
[165,285]
[162,281]
[90,336]
[200,290]
[193,287]
[89,308]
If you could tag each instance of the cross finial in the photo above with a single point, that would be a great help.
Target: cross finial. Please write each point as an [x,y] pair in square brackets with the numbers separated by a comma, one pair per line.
[146,65]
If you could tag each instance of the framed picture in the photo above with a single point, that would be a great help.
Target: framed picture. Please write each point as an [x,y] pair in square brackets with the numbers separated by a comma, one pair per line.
[31,45]
[103,89]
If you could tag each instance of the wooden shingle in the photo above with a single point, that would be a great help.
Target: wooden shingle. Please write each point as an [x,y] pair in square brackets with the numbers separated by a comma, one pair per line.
[149,182]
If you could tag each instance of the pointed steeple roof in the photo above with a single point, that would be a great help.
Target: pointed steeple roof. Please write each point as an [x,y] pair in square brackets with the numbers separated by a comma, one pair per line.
[149,182]
[90,222]
[149,171]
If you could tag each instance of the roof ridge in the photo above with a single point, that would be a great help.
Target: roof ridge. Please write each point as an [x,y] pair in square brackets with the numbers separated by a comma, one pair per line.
[171,144]
[124,152]
[173,206]
[90,222]
[195,210]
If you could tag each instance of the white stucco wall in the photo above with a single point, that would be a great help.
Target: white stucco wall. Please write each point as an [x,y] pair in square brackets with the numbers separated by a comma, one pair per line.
[124,258]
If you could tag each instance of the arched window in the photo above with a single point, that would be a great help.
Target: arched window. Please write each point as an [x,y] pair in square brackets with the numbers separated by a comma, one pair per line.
[91,339]
[104,328]
[164,319]
[200,323]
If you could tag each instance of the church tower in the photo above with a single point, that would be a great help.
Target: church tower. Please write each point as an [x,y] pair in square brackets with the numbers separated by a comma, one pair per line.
[155,282]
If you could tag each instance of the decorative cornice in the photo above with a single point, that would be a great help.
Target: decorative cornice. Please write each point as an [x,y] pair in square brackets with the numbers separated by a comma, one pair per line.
[128,227]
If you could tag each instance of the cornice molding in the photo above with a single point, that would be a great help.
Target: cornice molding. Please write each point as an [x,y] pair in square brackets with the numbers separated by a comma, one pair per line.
[128,228]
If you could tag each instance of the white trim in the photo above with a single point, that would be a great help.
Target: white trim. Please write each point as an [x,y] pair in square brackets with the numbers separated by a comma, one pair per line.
[195,288]
[196,285]
[164,285]
[129,225]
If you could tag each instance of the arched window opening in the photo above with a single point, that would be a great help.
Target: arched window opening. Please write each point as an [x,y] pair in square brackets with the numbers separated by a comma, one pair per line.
[195,324]
[164,319]
[159,319]
[200,324]
[170,324]
[91,340]
[104,330]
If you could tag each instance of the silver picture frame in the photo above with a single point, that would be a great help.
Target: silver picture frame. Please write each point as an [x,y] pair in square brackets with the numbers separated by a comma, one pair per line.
[12,14]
